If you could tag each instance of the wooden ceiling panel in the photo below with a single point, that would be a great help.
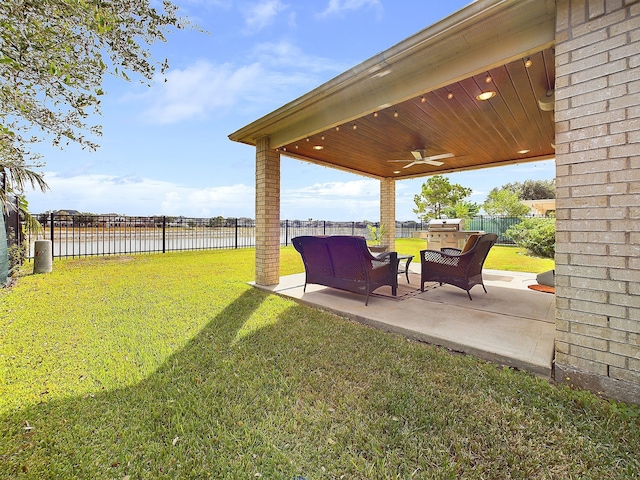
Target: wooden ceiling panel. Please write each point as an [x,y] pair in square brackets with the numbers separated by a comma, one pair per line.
[478,133]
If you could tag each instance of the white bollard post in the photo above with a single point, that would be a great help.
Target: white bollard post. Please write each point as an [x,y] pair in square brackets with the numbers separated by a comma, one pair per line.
[42,256]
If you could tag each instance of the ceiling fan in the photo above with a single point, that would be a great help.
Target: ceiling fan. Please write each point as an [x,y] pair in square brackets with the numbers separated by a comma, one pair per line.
[419,158]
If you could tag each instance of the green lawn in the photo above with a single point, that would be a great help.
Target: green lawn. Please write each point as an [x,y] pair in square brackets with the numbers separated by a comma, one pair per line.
[171,366]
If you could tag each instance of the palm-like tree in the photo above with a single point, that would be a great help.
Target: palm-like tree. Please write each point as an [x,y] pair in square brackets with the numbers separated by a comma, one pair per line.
[14,177]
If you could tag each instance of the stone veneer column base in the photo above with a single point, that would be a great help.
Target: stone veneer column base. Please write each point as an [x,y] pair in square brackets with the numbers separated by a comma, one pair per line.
[608,387]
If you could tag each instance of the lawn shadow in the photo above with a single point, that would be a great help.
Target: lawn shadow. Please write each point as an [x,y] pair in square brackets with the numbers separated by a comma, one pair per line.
[189,418]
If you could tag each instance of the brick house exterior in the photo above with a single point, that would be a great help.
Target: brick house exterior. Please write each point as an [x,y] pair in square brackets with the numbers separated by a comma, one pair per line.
[598,196]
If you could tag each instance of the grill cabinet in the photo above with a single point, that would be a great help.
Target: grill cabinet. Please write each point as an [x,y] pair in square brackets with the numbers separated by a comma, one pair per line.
[447,233]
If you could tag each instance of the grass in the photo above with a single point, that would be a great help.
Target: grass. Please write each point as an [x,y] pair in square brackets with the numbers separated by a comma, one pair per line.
[171,366]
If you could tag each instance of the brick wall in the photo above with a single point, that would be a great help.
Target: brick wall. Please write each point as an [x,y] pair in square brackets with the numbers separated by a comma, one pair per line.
[598,196]
[267,214]
[388,211]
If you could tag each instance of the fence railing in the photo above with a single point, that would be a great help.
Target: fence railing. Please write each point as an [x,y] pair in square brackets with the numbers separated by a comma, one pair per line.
[88,235]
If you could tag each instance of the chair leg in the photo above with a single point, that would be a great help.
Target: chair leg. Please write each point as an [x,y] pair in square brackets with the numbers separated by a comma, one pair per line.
[485,288]
[469,293]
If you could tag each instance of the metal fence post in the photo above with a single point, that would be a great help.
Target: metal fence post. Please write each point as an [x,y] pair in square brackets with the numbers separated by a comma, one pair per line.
[236,232]
[51,232]
[164,234]
[18,230]
[286,233]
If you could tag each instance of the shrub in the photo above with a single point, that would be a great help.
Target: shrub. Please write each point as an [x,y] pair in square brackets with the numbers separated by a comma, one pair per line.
[17,252]
[537,235]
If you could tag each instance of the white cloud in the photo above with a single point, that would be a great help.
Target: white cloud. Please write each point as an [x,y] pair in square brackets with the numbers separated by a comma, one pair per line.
[262,14]
[205,88]
[355,188]
[197,90]
[339,7]
[128,195]
[140,196]
[340,201]
[287,54]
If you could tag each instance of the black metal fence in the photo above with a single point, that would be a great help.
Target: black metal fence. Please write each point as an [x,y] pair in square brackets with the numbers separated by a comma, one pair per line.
[88,235]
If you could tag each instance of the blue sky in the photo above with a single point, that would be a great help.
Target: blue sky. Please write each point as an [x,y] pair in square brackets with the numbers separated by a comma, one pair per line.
[165,148]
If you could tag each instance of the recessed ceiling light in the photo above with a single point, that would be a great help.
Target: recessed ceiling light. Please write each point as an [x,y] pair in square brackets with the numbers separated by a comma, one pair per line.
[396,171]
[318,147]
[523,151]
[486,95]
[528,62]
[450,95]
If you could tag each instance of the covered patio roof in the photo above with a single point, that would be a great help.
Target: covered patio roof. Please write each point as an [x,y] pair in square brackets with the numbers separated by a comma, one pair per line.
[422,94]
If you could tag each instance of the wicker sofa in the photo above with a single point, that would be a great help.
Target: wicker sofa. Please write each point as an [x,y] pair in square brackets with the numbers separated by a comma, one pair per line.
[345,262]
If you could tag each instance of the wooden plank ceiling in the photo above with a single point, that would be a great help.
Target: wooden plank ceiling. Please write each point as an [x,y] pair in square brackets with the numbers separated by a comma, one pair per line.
[508,128]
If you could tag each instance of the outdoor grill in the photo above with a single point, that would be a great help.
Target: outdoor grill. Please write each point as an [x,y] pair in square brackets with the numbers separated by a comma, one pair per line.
[448,233]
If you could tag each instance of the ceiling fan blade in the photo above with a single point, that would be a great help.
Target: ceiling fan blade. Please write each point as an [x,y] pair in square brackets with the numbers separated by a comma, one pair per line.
[438,157]
[418,154]
[421,159]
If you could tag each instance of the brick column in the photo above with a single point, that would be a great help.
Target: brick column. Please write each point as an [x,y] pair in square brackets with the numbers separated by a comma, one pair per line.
[598,196]
[388,211]
[267,214]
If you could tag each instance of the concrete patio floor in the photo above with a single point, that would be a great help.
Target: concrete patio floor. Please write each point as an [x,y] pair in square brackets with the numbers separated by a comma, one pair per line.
[511,324]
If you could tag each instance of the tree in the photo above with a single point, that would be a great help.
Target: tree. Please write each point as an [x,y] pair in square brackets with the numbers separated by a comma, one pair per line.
[53,57]
[463,209]
[504,202]
[216,221]
[437,196]
[532,189]
[15,175]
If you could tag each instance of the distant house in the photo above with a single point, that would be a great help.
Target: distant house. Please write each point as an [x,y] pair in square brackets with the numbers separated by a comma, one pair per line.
[112,220]
[540,207]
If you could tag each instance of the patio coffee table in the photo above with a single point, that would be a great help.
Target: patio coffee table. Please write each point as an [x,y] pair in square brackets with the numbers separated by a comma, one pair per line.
[404,270]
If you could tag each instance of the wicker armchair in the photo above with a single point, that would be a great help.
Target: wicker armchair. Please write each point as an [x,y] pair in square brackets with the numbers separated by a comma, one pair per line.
[462,268]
